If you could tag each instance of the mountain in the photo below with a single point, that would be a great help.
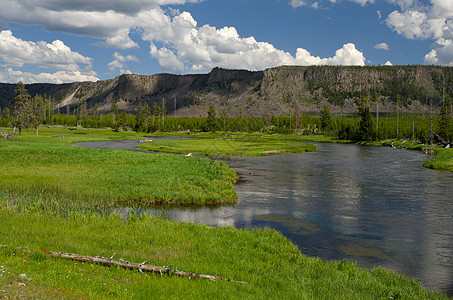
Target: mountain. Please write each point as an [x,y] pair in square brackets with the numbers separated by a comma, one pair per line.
[269,92]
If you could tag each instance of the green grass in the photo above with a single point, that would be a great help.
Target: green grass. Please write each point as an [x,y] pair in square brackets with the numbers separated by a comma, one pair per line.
[253,136]
[270,265]
[442,161]
[228,147]
[46,171]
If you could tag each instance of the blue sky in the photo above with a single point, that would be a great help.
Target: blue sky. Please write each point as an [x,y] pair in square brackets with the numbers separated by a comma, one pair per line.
[63,41]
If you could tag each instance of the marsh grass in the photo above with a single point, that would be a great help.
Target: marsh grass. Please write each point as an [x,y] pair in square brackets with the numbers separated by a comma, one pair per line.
[442,161]
[270,265]
[46,171]
[228,147]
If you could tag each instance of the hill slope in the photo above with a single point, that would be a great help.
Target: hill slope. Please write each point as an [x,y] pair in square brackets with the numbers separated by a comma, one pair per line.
[269,92]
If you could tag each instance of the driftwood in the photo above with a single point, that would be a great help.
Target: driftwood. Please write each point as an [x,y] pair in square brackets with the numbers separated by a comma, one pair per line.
[142,267]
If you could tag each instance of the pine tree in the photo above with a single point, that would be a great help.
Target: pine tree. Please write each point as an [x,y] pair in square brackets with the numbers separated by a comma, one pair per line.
[139,118]
[211,120]
[366,127]
[326,118]
[445,123]
[21,107]
[224,117]
[114,110]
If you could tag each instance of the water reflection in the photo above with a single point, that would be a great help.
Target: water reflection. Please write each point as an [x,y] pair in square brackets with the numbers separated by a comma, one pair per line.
[376,206]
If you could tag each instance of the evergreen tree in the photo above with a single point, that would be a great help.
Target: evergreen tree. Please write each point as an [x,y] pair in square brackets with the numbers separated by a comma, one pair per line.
[146,116]
[122,120]
[211,120]
[21,107]
[326,118]
[96,113]
[297,124]
[224,117]
[163,110]
[139,118]
[365,120]
[445,123]
[114,110]
[377,100]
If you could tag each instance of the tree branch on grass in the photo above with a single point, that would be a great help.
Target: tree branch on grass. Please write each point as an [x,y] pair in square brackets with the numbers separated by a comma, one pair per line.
[142,267]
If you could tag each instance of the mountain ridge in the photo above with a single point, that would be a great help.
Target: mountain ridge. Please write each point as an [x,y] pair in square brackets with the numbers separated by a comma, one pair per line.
[273,91]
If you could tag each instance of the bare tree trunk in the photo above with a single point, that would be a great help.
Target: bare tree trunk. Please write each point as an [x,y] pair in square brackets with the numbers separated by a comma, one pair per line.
[143,267]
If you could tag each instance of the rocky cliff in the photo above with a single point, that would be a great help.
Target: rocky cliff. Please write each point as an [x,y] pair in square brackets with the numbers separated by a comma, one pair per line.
[269,92]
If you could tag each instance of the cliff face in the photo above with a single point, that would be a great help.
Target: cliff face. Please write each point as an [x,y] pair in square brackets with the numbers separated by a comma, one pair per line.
[270,92]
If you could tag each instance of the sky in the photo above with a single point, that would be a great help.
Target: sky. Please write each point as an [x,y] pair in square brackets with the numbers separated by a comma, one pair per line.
[59,41]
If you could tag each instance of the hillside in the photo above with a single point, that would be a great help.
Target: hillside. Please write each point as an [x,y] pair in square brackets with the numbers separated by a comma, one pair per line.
[269,92]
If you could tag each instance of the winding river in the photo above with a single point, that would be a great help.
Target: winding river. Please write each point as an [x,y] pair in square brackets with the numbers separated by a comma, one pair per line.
[372,205]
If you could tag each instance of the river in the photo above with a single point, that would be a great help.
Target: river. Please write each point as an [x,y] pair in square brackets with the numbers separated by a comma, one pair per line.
[376,206]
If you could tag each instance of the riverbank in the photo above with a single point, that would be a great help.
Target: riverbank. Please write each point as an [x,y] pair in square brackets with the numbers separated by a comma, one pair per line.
[442,161]
[269,264]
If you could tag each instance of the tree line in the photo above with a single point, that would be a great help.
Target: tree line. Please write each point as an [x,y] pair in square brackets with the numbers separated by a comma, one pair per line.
[364,125]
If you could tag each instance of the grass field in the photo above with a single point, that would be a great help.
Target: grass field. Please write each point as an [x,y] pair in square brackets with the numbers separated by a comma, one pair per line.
[46,171]
[228,147]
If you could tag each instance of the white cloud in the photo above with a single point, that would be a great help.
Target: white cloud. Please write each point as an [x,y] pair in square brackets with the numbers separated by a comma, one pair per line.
[381,46]
[126,58]
[167,59]
[120,63]
[434,21]
[15,53]
[362,2]
[10,75]
[56,55]
[297,3]
[193,49]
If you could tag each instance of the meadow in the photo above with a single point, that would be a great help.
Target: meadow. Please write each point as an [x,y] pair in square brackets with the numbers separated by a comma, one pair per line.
[47,171]
[53,197]
[228,147]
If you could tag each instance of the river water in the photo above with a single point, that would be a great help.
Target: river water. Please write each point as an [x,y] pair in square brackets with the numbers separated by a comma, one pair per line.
[373,205]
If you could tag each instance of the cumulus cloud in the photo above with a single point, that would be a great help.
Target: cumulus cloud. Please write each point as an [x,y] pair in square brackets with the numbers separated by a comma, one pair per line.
[120,63]
[10,75]
[362,2]
[381,46]
[56,55]
[297,3]
[15,53]
[193,49]
[420,21]
[315,5]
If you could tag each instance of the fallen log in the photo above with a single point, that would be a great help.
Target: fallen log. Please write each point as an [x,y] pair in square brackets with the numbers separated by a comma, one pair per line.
[142,267]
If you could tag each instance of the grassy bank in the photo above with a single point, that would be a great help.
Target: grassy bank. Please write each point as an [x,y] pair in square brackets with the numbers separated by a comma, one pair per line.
[442,161]
[227,147]
[46,171]
[269,264]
